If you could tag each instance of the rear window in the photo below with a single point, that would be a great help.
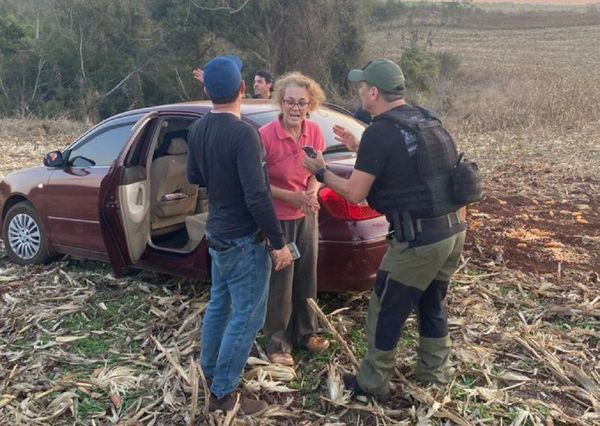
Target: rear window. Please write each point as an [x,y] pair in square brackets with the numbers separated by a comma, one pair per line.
[325,118]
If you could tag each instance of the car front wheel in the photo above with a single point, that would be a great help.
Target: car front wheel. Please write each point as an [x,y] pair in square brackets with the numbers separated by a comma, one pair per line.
[24,235]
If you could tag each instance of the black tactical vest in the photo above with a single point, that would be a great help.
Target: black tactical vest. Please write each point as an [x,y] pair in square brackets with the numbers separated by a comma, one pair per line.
[436,157]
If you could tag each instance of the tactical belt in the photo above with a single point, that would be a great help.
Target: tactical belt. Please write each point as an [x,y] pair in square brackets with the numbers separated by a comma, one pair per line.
[406,230]
[436,224]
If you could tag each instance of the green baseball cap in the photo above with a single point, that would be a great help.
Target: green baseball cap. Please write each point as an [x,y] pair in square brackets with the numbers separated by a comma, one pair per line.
[381,73]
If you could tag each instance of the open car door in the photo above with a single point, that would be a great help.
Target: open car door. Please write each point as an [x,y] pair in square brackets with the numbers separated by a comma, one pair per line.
[125,199]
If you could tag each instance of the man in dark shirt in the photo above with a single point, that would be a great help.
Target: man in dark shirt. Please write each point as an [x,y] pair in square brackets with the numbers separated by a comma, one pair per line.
[416,269]
[225,156]
[263,84]
[362,115]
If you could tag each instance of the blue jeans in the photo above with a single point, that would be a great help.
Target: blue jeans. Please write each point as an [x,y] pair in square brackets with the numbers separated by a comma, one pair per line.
[241,269]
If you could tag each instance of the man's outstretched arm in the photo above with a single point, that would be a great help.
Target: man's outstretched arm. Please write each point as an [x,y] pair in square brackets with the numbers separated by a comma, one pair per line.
[355,189]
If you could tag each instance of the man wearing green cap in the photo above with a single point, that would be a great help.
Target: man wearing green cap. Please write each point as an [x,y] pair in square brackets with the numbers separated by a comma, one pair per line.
[403,165]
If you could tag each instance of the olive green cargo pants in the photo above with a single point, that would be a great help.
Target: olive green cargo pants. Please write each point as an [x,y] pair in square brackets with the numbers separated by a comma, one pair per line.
[410,278]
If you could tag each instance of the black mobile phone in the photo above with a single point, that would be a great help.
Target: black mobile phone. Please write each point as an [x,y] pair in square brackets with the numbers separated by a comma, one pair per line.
[310,151]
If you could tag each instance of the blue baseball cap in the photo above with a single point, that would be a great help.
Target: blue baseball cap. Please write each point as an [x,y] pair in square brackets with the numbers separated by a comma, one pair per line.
[223,76]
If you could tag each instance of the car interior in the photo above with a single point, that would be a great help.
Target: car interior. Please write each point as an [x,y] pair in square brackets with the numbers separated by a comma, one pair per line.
[178,209]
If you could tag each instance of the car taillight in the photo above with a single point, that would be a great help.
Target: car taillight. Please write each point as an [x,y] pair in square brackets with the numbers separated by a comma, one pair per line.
[339,208]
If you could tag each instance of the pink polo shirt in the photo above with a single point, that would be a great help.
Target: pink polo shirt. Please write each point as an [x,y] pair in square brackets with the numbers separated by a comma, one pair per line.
[284,156]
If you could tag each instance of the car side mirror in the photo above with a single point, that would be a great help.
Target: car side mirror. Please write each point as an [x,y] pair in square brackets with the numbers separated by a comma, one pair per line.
[53,159]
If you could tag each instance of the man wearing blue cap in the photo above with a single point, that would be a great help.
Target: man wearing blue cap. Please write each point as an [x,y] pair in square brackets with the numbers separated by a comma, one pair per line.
[263,82]
[404,169]
[225,155]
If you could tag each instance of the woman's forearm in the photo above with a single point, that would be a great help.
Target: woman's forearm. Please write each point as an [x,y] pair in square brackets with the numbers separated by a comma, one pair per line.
[280,193]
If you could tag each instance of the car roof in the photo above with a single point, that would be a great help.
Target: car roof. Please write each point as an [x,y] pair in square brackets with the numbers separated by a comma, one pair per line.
[249,107]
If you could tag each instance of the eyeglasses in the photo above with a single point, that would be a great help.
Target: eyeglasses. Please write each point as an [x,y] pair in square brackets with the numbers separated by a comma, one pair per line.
[290,103]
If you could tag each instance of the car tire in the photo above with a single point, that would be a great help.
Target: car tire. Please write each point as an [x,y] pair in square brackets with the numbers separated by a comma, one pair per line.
[24,235]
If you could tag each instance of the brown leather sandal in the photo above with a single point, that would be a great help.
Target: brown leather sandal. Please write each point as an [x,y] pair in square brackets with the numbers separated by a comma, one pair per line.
[316,344]
[283,358]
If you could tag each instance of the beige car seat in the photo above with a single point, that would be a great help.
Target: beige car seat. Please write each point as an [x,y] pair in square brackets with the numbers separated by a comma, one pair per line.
[195,226]
[173,197]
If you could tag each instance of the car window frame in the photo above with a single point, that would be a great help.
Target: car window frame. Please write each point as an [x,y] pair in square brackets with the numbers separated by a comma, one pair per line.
[148,149]
[96,131]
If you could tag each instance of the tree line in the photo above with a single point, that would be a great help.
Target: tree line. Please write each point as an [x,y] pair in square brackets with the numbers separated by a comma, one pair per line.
[91,59]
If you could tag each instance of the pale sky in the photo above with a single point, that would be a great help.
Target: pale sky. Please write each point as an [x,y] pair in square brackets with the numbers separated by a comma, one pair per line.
[553,2]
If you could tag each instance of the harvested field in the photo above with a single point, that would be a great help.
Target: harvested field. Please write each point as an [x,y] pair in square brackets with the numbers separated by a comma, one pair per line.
[79,346]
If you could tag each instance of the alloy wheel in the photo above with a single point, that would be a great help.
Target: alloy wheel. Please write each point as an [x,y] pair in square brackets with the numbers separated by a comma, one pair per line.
[24,236]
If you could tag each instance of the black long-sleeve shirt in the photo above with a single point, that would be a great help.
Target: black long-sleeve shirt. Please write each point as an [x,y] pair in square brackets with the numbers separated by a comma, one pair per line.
[225,155]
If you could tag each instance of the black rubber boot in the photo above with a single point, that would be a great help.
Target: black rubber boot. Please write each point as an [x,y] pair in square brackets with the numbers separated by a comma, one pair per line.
[351,384]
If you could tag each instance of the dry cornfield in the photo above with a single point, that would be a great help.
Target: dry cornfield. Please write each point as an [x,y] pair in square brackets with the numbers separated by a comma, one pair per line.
[78,346]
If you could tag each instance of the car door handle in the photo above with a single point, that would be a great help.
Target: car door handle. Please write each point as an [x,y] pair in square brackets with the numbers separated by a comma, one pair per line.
[140,196]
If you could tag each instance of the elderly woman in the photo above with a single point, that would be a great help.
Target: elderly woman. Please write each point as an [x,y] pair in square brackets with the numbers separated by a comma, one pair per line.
[290,322]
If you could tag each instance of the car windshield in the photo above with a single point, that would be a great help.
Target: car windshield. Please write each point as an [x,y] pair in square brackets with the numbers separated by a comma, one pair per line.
[325,118]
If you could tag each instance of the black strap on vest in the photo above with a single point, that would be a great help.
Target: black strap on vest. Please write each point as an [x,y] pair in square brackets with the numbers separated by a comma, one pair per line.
[398,117]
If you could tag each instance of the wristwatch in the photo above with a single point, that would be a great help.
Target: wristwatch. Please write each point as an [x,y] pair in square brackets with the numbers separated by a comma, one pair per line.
[320,174]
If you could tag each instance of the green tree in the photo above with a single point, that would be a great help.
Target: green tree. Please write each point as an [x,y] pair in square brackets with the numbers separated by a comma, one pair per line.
[93,59]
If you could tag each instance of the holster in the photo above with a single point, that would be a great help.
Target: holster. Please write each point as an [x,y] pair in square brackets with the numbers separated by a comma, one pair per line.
[404,230]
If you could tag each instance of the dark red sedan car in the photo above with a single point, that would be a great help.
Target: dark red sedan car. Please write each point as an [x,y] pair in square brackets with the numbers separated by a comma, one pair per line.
[119,193]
